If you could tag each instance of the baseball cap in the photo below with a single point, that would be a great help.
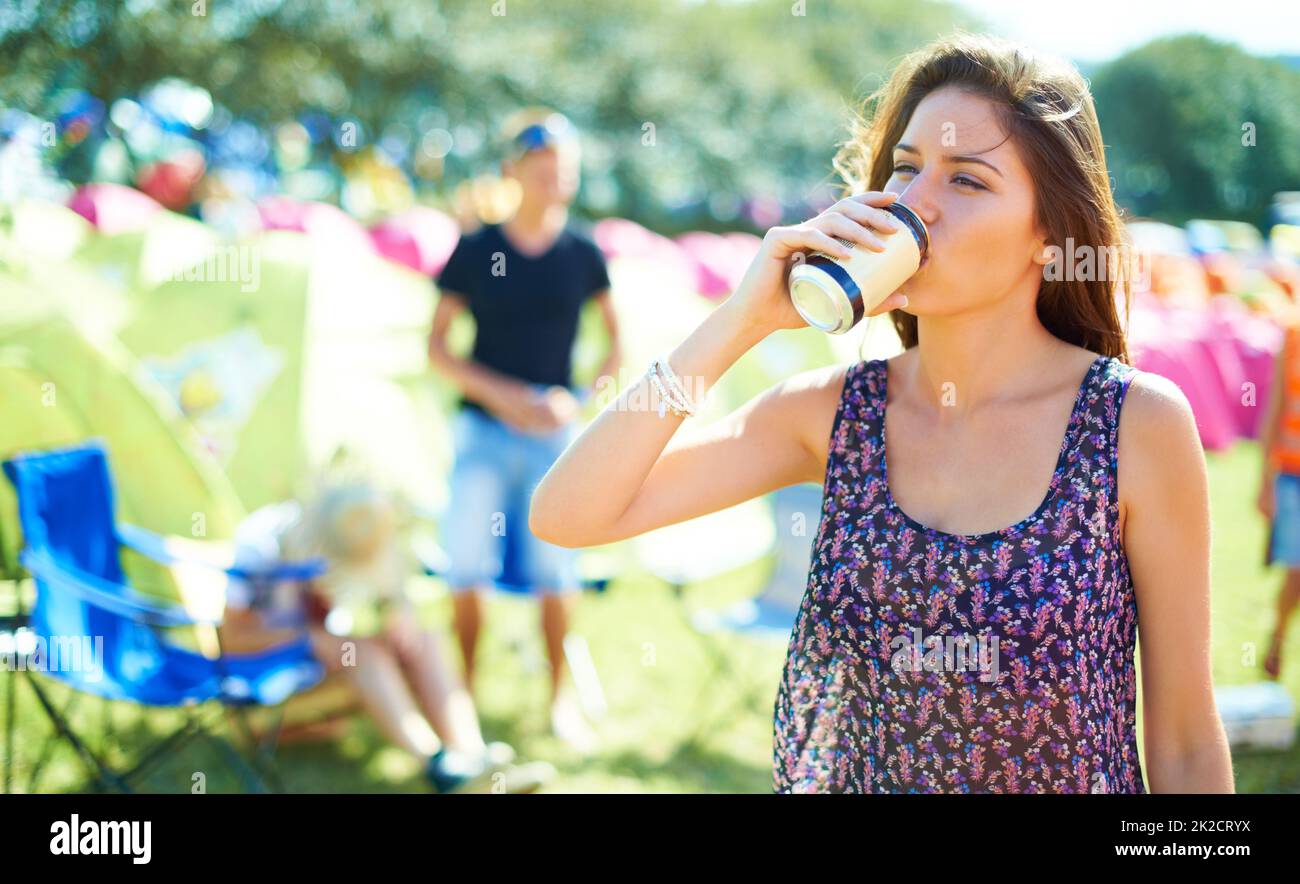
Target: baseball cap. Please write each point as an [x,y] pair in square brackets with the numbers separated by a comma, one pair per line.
[551,131]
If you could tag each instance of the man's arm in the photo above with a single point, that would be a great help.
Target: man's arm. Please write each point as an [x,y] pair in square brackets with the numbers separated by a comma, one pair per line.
[1271,420]
[614,354]
[508,398]
[476,381]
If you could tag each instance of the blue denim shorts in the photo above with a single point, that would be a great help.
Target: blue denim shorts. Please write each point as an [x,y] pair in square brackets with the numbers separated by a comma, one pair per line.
[496,469]
[1285,540]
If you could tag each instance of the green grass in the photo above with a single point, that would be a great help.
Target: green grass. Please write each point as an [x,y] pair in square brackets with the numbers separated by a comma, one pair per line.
[657,678]
[1243,602]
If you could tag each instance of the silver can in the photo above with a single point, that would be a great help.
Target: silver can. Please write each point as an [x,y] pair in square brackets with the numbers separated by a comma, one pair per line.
[833,294]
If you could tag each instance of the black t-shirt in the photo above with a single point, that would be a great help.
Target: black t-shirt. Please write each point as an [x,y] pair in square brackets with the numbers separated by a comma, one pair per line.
[526,308]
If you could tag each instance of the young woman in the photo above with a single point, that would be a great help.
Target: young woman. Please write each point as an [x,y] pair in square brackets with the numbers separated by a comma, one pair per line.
[983,486]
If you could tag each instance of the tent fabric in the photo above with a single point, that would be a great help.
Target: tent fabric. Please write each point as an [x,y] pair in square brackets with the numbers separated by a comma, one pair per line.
[1221,359]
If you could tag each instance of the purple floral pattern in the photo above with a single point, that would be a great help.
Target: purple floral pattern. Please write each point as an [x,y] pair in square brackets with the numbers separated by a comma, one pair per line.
[1049,599]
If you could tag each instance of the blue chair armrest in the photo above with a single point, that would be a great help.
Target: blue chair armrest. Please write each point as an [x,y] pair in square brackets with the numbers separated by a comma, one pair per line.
[112,597]
[155,546]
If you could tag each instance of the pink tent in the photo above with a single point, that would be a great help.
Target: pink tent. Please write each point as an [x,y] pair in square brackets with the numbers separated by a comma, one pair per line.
[621,238]
[705,252]
[1178,361]
[113,208]
[318,220]
[1256,342]
[421,238]
[1220,358]
[720,259]
[742,249]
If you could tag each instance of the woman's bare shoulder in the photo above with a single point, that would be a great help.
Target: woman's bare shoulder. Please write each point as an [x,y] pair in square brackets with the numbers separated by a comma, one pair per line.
[807,402]
[1155,410]
[1160,451]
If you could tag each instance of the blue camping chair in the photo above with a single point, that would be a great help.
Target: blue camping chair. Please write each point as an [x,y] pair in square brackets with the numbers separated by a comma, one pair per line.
[113,634]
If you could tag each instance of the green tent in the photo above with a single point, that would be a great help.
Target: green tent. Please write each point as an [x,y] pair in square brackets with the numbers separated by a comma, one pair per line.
[282,349]
[227,346]
[141,259]
[59,389]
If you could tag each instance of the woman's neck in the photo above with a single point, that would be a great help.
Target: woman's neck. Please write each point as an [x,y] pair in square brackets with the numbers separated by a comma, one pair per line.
[965,361]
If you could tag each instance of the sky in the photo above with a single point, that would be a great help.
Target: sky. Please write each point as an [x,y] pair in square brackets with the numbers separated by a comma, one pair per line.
[1098,30]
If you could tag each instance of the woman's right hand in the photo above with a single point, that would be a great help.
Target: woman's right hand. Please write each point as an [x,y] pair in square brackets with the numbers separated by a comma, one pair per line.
[763,298]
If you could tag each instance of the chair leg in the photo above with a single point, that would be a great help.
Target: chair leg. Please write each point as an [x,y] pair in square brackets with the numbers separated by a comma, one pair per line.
[48,748]
[10,690]
[266,752]
[262,750]
[193,728]
[104,776]
[722,669]
[747,699]
[251,777]
[173,741]
[263,747]
[701,719]
[106,721]
[719,663]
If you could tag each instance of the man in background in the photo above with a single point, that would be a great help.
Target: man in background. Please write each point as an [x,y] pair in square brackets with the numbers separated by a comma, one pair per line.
[525,281]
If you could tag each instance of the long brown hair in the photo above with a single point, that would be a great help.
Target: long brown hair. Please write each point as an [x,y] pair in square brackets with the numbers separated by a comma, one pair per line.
[1045,105]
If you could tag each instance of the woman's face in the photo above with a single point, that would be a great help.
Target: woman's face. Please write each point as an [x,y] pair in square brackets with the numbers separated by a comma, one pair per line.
[956,168]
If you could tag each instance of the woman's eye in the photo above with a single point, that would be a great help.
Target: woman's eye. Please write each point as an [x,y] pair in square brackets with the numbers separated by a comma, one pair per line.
[909,169]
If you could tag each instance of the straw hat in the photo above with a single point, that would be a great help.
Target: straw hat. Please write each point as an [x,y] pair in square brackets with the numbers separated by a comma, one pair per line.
[355,528]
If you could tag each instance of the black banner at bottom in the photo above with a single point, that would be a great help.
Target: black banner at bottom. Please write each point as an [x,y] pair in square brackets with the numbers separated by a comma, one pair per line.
[331,832]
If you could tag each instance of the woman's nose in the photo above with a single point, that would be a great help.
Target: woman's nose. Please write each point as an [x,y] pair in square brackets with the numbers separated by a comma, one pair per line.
[918,196]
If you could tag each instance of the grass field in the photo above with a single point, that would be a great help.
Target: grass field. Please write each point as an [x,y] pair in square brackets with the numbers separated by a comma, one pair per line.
[673,726]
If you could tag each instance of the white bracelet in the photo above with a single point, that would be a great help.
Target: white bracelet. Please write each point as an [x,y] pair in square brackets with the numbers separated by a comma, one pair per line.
[670,378]
[666,399]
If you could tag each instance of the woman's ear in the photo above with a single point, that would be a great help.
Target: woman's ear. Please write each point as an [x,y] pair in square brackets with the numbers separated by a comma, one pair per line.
[1044,251]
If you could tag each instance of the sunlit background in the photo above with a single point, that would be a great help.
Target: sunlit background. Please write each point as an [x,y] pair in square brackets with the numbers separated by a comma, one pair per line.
[218,227]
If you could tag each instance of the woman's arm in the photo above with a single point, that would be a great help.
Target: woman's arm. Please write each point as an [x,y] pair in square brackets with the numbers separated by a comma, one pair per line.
[619,479]
[1165,488]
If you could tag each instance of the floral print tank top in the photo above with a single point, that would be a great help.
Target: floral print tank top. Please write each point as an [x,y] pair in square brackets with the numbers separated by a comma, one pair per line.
[923,661]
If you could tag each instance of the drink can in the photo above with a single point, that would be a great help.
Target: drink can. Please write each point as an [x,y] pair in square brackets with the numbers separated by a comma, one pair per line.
[833,294]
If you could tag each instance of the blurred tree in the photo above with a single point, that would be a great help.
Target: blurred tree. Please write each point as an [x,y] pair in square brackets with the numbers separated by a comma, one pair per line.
[1199,128]
[687,108]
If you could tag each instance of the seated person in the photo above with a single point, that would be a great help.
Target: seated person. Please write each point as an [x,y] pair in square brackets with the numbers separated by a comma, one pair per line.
[398,670]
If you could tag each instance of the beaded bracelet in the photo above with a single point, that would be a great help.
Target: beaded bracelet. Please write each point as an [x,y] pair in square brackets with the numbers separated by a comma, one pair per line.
[670,379]
[667,400]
